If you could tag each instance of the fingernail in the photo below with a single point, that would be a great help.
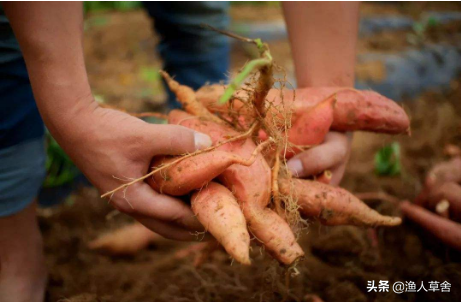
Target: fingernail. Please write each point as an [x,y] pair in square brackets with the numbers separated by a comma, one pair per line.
[295,166]
[202,141]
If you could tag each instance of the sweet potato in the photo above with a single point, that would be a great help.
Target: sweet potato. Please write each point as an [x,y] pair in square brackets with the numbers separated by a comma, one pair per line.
[354,110]
[186,96]
[312,125]
[450,192]
[126,241]
[331,205]
[218,211]
[449,171]
[446,230]
[200,251]
[444,172]
[193,172]
[252,188]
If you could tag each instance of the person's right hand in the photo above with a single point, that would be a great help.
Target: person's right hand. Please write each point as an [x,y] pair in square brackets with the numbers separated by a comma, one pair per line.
[109,145]
[103,143]
[333,155]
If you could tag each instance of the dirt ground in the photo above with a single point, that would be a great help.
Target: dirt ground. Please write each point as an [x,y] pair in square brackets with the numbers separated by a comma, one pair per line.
[339,260]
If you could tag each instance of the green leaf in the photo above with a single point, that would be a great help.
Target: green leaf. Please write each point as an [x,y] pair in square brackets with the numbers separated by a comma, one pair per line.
[150,74]
[387,160]
[432,22]
[419,28]
[60,168]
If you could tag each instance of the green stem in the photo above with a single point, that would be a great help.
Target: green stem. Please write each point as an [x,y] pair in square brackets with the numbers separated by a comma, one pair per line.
[238,80]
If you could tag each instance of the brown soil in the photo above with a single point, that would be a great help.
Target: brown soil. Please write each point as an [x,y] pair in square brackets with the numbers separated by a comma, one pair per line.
[413,9]
[121,60]
[339,260]
[264,13]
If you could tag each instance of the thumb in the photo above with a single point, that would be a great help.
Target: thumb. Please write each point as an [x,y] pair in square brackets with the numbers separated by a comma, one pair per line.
[328,155]
[175,140]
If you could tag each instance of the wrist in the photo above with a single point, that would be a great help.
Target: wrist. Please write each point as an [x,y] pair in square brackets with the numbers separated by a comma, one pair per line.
[70,120]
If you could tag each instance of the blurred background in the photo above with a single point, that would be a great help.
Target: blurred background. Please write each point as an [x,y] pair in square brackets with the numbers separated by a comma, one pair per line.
[405,48]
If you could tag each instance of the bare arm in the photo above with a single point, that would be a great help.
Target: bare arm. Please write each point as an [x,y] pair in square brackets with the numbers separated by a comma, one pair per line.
[103,143]
[323,38]
[50,35]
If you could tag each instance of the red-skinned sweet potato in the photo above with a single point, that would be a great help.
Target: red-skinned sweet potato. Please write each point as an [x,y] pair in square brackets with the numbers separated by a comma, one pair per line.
[331,205]
[446,230]
[126,241]
[444,172]
[311,126]
[193,172]
[252,188]
[218,211]
[354,110]
[449,171]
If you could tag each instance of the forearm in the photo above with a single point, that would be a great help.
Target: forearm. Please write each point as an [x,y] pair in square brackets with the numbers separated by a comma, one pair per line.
[50,36]
[323,37]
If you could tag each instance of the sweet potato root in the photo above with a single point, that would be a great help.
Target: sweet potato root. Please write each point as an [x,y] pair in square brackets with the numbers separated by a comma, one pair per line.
[333,206]
[446,230]
[218,211]
[186,96]
[354,110]
[252,188]
[127,240]
[193,172]
[324,177]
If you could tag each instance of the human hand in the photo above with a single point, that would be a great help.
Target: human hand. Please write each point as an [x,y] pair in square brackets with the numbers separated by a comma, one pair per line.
[109,145]
[332,155]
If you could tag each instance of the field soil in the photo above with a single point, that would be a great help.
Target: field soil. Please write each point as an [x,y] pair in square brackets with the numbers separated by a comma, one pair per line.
[339,262]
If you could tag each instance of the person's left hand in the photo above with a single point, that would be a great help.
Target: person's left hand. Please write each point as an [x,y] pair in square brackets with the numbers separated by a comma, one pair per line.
[332,155]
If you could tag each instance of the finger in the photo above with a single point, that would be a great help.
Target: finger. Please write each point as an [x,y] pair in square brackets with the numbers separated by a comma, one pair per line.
[141,199]
[325,156]
[171,231]
[337,174]
[175,140]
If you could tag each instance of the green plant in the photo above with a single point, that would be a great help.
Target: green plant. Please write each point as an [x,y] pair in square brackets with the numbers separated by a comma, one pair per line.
[418,36]
[59,167]
[387,160]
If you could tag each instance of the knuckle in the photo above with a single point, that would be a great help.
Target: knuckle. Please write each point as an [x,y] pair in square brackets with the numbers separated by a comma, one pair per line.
[341,154]
[310,165]
[178,139]
[177,218]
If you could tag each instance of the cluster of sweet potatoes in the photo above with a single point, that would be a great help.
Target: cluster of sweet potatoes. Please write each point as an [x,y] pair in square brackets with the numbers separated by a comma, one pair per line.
[232,186]
[241,188]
